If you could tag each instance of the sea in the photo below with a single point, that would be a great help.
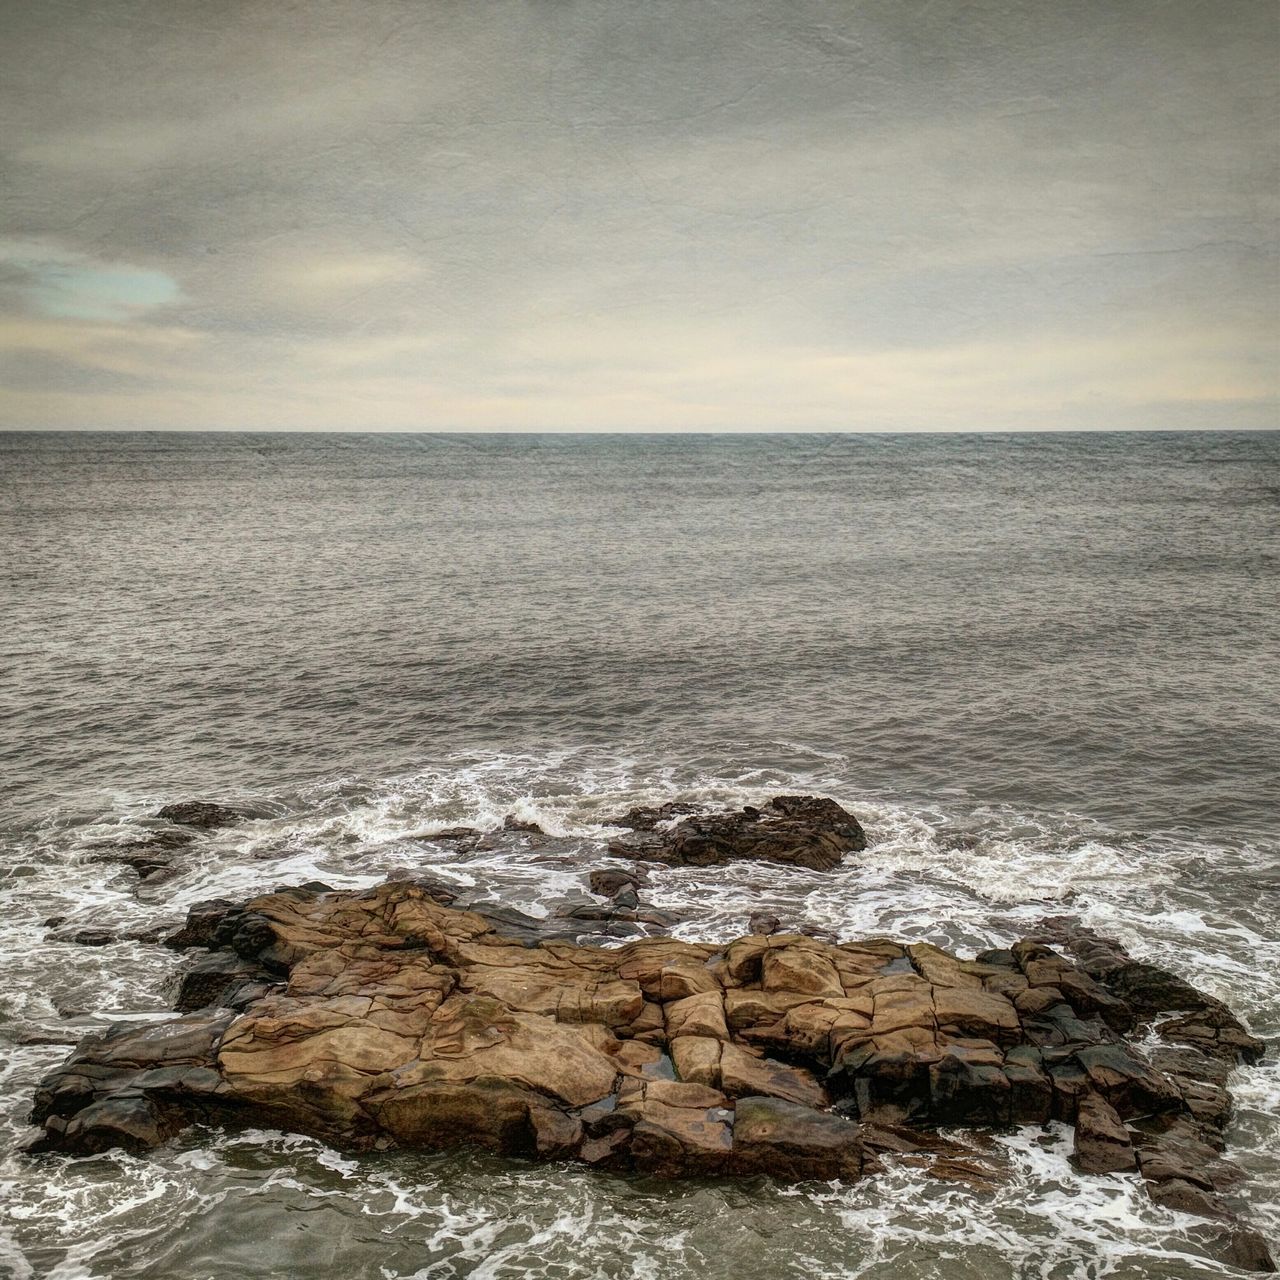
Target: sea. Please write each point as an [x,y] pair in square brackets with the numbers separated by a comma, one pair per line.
[1043,670]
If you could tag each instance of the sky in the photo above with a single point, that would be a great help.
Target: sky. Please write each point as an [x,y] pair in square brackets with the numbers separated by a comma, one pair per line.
[639,215]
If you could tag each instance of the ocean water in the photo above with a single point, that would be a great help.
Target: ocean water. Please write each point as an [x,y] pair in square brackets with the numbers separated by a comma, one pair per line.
[1043,670]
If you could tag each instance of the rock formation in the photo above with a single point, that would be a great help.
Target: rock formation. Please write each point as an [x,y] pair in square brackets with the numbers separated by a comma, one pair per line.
[154,857]
[387,1018]
[798,831]
[200,813]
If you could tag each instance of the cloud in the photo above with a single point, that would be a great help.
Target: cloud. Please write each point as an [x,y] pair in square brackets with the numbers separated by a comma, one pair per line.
[72,285]
[665,216]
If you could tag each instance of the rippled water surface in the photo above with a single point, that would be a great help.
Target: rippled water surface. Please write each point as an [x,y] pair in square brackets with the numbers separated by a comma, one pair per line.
[1042,670]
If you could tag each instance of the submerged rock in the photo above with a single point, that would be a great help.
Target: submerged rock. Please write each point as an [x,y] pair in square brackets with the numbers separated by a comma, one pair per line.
[152,858]
[800,831]
[382,1018]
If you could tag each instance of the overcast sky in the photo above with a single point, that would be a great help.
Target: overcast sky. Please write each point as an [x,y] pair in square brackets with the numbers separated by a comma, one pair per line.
[634,215]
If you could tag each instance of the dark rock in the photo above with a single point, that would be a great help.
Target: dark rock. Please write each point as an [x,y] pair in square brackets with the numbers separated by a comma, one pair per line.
[1127,1082]
[512,823]
[203,922]
[763,923]
[647,817]
[95,937]
[1102,1142]
[805,831]
[969,1087]
[134,1124]
[1186,1197]
[1240,1247]
[1151,991]
[455,834]
[607,882]
[213,981]
[92,938]
[250,936]
[149,861]
[1030,1088]
[200,813]
[1175,1148]
[529,931]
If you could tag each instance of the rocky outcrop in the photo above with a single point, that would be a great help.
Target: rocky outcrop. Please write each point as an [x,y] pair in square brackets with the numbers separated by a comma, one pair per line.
[157,855]
[385,1018]
[798,831]
[152,858]
[202,814]
[646,817]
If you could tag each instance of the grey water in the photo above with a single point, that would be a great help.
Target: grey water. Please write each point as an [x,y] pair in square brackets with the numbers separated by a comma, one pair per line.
[1043,670]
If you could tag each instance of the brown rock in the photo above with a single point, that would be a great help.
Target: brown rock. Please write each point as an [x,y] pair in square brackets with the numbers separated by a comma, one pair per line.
[742,1075]
[805,969]
[673,1142]
[1102,1142]
[697,1059]
[792,1141]
[385,1017]
[607,882]
[977,1013]
[698,1015]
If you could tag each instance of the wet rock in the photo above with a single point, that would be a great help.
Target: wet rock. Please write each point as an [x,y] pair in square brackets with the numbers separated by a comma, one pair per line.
[528,930]
[607,882]
[151,860]
[382,1017]
[1151,991]
[134,1124]
[1187,1197]
[805,831]
[200,813]
[96,937]
[1102,1142]
[437,890]
[216,980]
[794,1142]
[1241,1247]
[91,938]
[762,922]
[512,823]
[647,817]
[620,911]
[455,835]
[201,927]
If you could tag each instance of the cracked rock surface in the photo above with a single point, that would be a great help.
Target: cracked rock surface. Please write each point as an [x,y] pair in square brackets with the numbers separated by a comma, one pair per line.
[384,1018]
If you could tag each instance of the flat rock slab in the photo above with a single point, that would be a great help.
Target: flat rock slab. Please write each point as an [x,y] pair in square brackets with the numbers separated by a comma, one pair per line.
[383,1018]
